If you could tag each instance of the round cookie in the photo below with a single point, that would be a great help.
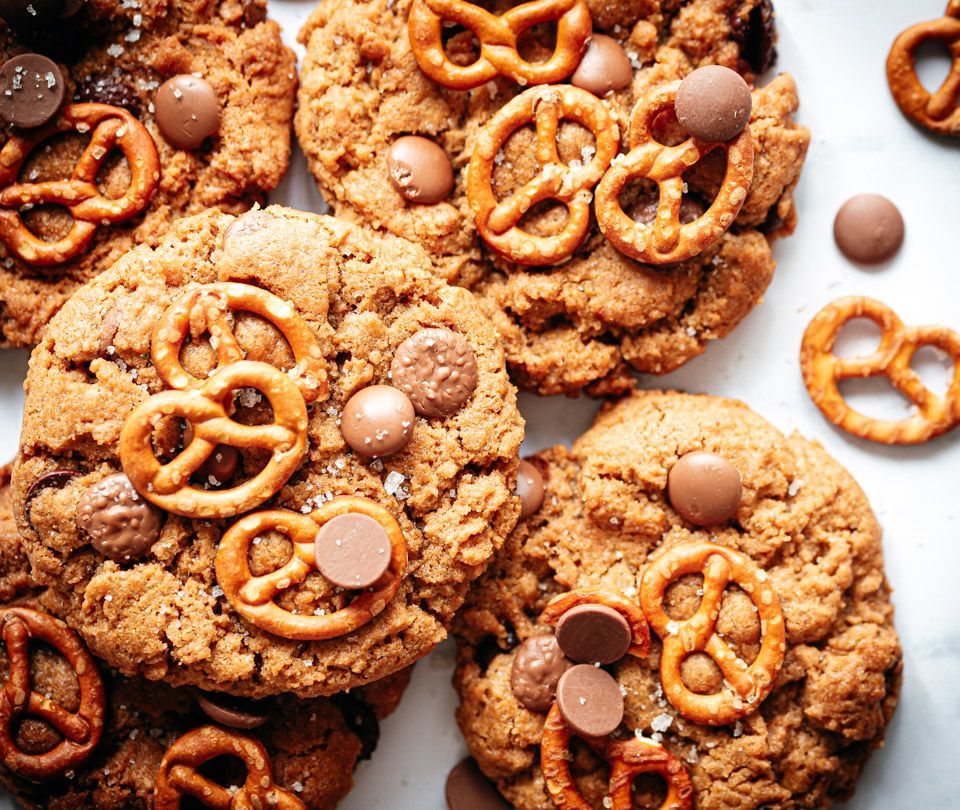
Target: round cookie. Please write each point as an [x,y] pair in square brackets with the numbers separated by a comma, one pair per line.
[805,530]
[586,323]
[172,605]
[120,55]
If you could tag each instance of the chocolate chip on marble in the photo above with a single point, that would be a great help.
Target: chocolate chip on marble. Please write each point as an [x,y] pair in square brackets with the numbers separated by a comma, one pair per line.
[31,90]
[232,712]
[537,666]
[590,701]
[468,789]
[109,88]
[604,67]
[714,103]
[530,488]
[705,488]
[868,229]
[121,524]
[352,551]
[437,369]
[187,111]
[420,170]
[377,421]
[594,634]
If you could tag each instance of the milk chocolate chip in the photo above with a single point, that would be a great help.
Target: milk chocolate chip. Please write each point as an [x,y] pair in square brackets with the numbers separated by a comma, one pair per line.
[220,466]
[537,666]
[590,701]
[31,90]
[868,229]
[594,634]
[187,111]
[377,421]
[468,789]
[420,170]
[704,488]
[437,369]
[604,68]
[352,551]
[231,711]
[530,488]
[714,103]
[122,525]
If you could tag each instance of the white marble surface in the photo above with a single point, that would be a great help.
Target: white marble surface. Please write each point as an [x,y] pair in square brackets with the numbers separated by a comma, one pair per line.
[836,51]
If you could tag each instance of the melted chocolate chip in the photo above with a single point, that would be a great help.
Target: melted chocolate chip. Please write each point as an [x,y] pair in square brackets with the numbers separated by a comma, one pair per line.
[110,88]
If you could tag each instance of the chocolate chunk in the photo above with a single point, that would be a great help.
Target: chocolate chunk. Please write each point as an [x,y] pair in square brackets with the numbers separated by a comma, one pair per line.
[55,479]
[187,111]
[437,369]
[868,229]
[220,466]
[714,103]
[590,701]
[704,488]
[537,666]
[377,421]
[352,551]
[420,170]
[757,35]
[604,67]
[110,88]
[594,634]
[121,524]
[233,712]
[468,789]
[254,12]
[530,488]
[31,90]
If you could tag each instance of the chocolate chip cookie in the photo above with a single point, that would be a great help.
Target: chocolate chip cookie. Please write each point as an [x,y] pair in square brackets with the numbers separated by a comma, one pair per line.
[117,118]
[693,596]
[390,146]
[268,455]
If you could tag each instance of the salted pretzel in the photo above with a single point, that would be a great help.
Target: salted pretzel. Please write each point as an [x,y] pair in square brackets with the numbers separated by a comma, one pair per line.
[628,759]
[667,239]
[207,409]
[745,685]
[179,775]
[498,37]
[110,128]
[207,308]
[254,597]
[640,630]
[938,112]
[81,729]
[498,221]
[823,370]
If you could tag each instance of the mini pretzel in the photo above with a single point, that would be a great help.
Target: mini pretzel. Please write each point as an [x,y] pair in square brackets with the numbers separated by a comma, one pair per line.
[748,685]
[560,604]
[110,128]
[628,759]
[939,112]
[206,409]
[254,597]
[180,776]
[80,730]
[496,221]
[498,38]
[667,240]
[206,308]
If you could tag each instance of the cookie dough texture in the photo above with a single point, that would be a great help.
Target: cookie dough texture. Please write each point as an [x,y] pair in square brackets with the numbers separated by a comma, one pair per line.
[803,519]
[450,488]
[120,53]
[588,322]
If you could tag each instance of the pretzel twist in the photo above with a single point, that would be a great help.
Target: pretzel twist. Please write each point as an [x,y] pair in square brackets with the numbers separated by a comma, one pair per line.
[180,776]
[940,111]
[207,308]
[80,730]
[207,409]
[498,37]
[254,597]
[110,128]
[667,239]
[640,630]
[498,221]
[749,684]
[822,371]
[628,759]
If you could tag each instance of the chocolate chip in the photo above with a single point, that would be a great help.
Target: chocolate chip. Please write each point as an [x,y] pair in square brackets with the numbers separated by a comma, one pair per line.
[231,711]
[31,90]
[714,103]
[109,88]
[644,210]
[437,369]
[352,551]
[187,111]
[377,421]
[704,488]
[757,36]
[362,721]
[868,229]
[221,465]
[254,13]
[121,524]
[537,666]
[590,701]
[604,68]
[594,634]
[530,488]
[55,479]
[468,789]
[420,170]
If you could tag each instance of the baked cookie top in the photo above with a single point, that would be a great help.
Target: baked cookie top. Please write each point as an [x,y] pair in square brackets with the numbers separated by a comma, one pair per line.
[195,102]
[331,543]
[771,668]
[585,322]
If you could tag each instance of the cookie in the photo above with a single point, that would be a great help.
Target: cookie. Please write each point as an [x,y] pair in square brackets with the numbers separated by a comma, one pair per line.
[118,118]
[586,321]
[190,482]
[764,665]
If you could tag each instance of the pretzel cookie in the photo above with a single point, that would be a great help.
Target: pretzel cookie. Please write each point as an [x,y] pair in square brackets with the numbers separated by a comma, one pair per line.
[487,132]
[752,563]
[272,444]
[117,119]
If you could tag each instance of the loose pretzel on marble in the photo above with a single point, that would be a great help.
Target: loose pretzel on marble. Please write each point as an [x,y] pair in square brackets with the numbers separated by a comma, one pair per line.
[667,239]
[640,630]
[254,597]
[498,38]
[823,370]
